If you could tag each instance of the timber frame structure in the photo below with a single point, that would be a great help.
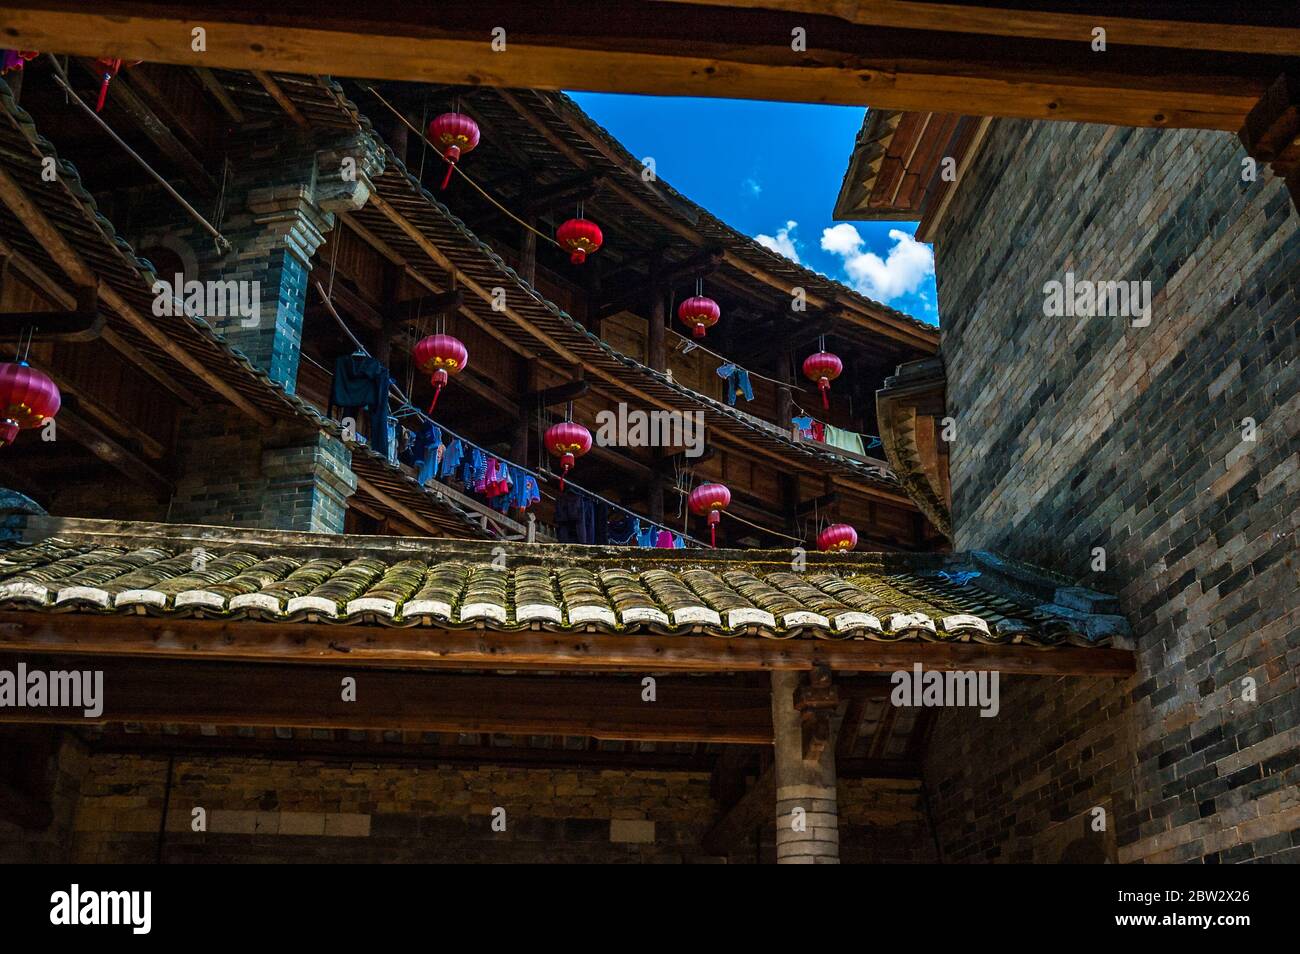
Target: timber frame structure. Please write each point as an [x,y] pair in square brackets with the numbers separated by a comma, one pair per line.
[770,669]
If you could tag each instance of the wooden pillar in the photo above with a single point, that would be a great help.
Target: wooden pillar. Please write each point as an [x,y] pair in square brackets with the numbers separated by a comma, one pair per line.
[388,324]
[528,251]
[807,818]
[784,398]
[398,139]
[656,349]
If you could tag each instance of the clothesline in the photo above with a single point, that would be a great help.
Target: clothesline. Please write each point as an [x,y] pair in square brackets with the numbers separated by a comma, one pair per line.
[406,404]
[696,346]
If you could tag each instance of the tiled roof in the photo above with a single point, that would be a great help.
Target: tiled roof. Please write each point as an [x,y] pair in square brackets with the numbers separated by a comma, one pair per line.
[170,570]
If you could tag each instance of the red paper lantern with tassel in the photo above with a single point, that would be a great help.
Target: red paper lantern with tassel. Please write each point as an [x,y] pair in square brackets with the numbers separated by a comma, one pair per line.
[453,135]
[12,61]
[710,499]
[580,238]
[440,356]
[838,536]
[109,66]
[568,441]
[823,368]
[27,398]
[699,313]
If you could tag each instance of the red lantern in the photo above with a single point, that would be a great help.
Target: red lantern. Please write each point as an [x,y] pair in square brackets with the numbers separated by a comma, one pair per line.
[710,499]
[440,356]
[699,314]
[27,399]
[108,68]
[15,60]
[838,536]
[568,441]
[822,367]
[453,135]
[580,238]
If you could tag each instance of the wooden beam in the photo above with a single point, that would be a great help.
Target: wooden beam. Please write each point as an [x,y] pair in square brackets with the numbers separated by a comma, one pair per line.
[755,811]
[400,754]
[1181,30]
[704,262]
[556,394]
[582,186]
[111,419]
[219,93]
[431,250]
[817,503]
[388,252]
[67,258]
[1271,132]
[284,102]
[60,296]
[397,507]
[125,99]
[83,323]
[438,304]
[85,433]
[427,646]
[999,63]
[847,738]
[250,694]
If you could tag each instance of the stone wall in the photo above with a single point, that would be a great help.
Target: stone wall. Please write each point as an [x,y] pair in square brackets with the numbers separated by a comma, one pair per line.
[314,810]
[1081,438]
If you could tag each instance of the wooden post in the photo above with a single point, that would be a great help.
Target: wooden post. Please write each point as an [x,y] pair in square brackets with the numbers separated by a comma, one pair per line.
[656,355]
[784,398]
[528,251]
[807,818]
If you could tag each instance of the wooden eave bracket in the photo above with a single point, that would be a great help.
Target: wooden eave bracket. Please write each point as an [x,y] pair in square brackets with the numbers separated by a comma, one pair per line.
[816,703]
[1271,133]
[917,391]
[80,323]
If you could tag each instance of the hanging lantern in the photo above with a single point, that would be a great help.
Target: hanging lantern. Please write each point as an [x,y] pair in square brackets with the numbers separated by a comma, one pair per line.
[699,313]
[453,135]
[108,68]
[568,441]
[440,356]
[27,398]
[12,61]
[822,367]
[710,499]
[838,536]
[580,238]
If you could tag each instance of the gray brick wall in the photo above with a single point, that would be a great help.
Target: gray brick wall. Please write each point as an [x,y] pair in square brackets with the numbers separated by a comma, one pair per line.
[1078,433]
[236,473]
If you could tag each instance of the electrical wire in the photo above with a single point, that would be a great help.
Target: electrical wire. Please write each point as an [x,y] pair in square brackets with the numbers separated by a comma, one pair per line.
[406,403]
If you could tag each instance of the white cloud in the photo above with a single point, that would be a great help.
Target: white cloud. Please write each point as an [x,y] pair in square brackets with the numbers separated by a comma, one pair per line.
[752,186]
[783,242]
[906,265]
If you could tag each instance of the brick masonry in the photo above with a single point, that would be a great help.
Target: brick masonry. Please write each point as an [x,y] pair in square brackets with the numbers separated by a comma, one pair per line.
[304,810]
[282,196]
[236,473]
[1083,433]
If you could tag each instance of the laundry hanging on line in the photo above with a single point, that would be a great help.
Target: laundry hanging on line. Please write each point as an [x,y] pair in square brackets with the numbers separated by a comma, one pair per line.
[737,379]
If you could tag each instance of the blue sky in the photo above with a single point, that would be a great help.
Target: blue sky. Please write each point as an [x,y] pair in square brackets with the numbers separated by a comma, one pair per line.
[772,171]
